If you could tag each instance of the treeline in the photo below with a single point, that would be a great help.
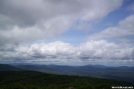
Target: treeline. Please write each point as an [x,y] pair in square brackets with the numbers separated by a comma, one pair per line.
[37,80]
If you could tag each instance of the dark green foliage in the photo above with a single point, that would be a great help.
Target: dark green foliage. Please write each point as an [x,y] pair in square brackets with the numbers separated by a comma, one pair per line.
[37,80]
[6,67]
[123,73]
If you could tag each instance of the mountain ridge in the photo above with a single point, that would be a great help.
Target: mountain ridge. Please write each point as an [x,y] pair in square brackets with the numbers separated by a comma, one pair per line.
[122,73]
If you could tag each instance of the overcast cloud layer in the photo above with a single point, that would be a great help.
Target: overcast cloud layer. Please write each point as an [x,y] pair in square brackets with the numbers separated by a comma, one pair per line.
[24,22]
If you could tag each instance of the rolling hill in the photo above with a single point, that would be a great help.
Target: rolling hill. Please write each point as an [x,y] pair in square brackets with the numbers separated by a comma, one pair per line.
[6,67]
[11,78]
[38,80]
[122,73]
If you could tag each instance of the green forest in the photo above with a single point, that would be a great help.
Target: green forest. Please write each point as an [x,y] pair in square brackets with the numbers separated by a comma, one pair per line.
[38,80]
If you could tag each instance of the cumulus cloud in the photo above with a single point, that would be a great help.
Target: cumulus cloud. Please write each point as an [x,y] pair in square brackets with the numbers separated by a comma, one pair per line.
[24,22]
[123,29]
[90,51]
[20,20]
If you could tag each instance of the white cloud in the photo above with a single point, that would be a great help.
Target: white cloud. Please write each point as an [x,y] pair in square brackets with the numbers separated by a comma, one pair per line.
[48,29]
[20,20]
[91,51]
[100,9]
[124,28]
[28,21]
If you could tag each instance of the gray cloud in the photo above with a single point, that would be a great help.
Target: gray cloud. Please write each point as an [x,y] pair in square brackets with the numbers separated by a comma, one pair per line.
[23,22]
[91,51]
[28,21]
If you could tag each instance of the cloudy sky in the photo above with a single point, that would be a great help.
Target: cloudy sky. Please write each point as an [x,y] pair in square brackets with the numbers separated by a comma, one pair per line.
[70,32]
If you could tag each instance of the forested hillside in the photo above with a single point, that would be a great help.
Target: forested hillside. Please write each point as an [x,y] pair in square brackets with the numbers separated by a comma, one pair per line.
[38,80]
[122,73]
[6,67]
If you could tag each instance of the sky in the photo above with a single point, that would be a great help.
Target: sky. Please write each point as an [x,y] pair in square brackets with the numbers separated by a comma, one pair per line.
[67,32]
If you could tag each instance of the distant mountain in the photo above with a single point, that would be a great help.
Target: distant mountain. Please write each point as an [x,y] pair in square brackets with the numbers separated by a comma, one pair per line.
[122,73]
[6,67]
